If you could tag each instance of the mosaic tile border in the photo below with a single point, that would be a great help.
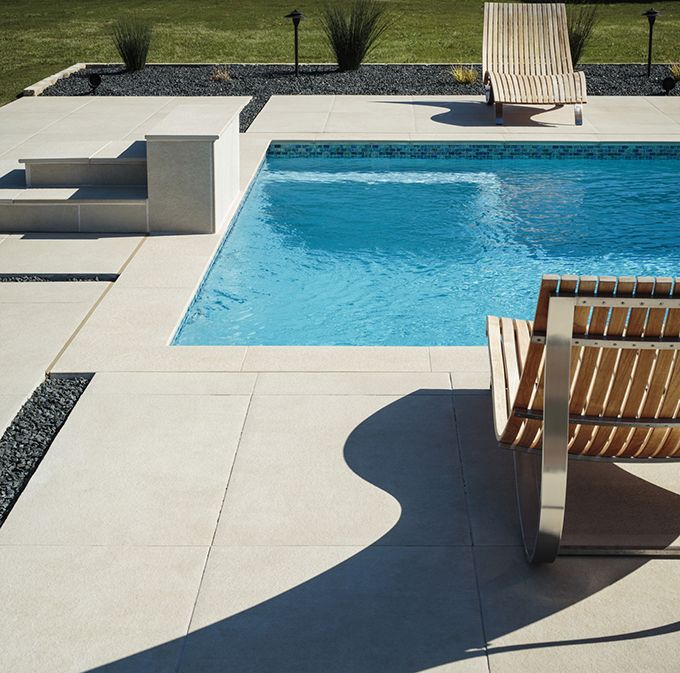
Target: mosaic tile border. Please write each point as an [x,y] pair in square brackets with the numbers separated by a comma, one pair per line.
[505,150]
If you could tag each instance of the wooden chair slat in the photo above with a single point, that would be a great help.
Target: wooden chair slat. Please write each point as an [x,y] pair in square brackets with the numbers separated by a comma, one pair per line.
[661,392]
[523,331]
[619,441]
[622,383]
[648,383]
[581,389]
[603,386]
[533,367]
[501,405]
[512,370]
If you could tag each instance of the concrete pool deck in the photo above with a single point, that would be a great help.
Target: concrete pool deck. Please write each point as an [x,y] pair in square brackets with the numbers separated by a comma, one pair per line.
[306,509]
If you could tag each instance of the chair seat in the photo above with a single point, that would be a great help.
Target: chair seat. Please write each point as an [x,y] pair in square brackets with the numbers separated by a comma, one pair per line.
[563,89]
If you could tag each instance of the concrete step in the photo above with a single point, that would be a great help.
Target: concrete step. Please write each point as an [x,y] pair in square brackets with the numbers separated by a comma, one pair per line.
[117,163]
[119,209]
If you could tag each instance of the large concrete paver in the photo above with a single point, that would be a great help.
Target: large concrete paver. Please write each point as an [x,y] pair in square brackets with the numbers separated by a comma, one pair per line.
[70,609]
[172,383]
[346,470]
[459,358]
[352,383]
[134,469]
[66,253]
[36,320]
[337,359]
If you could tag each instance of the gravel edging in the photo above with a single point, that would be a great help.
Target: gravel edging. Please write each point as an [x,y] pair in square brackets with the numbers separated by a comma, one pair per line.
[58,277]
[28,437]
[262,81]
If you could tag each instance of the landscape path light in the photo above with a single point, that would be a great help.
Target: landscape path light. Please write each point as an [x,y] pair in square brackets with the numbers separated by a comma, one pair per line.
[651,15]
[95,80]
[668,84]
[296,16]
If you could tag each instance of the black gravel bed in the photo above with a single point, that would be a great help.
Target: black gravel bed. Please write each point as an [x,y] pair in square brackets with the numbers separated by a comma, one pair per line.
[31,433]
[263,81]
[58,277]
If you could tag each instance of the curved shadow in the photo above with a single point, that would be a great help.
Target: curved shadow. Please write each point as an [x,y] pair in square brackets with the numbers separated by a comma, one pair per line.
[479,114]
[397,606]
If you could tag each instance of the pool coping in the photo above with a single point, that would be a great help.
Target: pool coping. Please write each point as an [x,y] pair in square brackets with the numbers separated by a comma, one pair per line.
[133,325]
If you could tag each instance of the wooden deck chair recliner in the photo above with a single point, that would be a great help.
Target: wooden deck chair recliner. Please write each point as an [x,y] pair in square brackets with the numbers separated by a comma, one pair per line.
[526,57]
[596,376]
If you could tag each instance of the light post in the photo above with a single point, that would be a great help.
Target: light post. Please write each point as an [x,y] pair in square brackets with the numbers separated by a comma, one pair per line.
[296,16]
[651,15]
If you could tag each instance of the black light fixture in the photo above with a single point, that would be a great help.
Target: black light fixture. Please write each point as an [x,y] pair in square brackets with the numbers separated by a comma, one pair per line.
[94,80]
[668,84]
[296,16]
[651,15]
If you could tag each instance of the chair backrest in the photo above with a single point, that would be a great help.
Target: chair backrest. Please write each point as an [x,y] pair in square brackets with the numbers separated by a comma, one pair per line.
[526,39]
[624,379]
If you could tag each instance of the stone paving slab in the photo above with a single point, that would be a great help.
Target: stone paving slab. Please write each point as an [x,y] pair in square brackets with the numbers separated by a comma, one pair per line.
[359,383]
[138,469]
[304,462]
[34,253]
[36,320]
[70,609]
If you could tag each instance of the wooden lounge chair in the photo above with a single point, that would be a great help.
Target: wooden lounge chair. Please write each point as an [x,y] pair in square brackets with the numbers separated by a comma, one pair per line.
[526,57]
[596,376]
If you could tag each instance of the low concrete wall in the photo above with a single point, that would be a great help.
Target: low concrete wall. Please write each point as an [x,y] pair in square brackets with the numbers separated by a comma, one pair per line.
[193,166]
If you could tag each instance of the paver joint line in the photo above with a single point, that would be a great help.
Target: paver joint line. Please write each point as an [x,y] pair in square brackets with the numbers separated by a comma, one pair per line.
[471,532]
[93,308]
[212,541]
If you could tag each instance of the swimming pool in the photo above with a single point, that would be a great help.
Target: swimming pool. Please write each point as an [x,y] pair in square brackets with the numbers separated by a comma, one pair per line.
[407,244]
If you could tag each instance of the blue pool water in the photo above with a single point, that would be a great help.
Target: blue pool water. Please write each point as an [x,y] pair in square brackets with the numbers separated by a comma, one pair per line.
[417,251]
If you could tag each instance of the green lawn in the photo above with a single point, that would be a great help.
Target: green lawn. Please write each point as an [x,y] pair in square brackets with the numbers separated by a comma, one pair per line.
[39,37]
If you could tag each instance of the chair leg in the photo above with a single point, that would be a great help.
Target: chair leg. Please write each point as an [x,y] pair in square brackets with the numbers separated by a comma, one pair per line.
[578,114]
[542,493]
[499,114]
[541,499]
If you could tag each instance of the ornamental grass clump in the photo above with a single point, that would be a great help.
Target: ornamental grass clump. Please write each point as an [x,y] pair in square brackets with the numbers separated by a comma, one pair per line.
[132,37]
[353,31]
[220,73]
[464,75]
[581,20]
[675,71]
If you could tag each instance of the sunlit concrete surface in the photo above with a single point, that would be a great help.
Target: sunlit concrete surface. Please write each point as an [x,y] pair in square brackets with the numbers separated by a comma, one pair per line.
[309,509]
